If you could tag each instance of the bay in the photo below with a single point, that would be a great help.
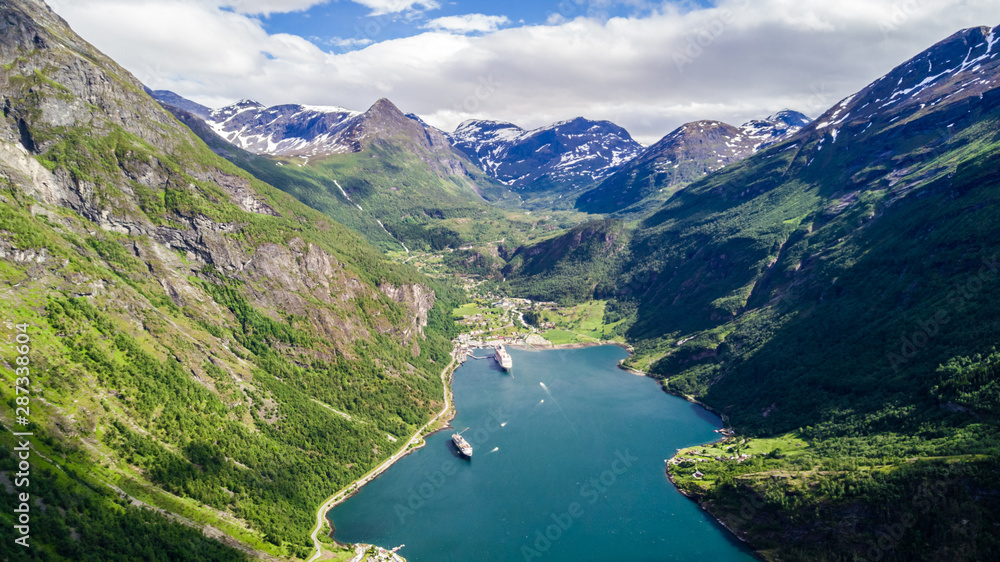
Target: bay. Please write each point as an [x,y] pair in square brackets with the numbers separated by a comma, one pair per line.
[568,465]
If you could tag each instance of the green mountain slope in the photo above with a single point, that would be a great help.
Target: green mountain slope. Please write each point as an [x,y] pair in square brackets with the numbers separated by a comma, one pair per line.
[393,179]
[199,341]
[686,155]
[402,193]
[301,182]
[820,286]
[572,267]
[842,285]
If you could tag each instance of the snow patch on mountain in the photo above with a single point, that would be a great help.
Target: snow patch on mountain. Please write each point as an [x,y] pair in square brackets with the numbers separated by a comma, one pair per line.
[774,129]
[286,130]
[574,153]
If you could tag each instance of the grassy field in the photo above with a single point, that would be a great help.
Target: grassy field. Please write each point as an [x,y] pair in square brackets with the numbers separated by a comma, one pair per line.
[788,447]
[789,444]
[560,337]
[581,323]
[469,309]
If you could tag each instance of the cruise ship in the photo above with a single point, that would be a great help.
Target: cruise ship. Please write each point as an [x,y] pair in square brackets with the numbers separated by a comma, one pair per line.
[503,358]
[461,443]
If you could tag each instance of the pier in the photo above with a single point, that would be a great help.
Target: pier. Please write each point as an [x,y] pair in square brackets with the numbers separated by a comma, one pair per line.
[466,347]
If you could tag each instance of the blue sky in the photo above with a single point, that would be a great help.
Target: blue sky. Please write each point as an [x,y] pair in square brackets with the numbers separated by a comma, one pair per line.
[345,26]
[647,65]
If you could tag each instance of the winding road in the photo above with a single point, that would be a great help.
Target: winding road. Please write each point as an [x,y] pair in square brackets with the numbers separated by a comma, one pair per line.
[375,472]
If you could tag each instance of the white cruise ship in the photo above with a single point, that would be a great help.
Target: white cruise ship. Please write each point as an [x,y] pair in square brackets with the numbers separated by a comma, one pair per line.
[503,358]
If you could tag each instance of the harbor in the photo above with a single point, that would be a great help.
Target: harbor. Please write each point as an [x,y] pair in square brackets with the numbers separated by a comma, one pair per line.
[466,348]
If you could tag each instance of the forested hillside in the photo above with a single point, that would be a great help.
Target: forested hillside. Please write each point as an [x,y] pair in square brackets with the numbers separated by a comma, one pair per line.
[211,333]
[842,285]
[197,340]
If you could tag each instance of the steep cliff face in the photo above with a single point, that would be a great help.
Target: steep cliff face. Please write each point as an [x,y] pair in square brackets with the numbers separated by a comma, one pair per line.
[418,300]
[192,326]
[82,134]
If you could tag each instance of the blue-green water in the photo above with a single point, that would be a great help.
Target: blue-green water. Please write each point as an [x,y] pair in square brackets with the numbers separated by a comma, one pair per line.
[568,465]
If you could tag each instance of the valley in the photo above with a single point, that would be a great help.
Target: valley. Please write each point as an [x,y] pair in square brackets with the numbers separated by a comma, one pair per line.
[236,312]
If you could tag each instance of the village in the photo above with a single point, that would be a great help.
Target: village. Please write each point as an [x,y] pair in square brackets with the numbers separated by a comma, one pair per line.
[733,449]
[492,319]
[378,554]
[729,443]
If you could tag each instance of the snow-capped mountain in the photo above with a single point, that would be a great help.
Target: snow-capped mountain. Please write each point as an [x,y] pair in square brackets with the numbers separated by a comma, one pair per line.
[774,129]
[285,130]
[962,66]
[571,153]
[485,142]
[312,131]
[687,154]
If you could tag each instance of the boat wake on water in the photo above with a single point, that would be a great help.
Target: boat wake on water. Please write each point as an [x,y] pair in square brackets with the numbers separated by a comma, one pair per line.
[556,402]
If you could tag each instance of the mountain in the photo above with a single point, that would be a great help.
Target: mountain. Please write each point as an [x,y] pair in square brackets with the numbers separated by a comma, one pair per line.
[837,297]
[566,155]
[686,154]
[569,267]
[204,344]
[300,182]
[287,130]
[310,131]
[390,176]
[167,97]
[200,343]
[563,156]
[775,128]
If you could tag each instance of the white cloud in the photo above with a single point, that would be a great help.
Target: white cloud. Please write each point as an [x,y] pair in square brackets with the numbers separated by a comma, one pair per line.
[555,18]
[468,23]
[732,62]
[382,7]
[348,43]
[266,7]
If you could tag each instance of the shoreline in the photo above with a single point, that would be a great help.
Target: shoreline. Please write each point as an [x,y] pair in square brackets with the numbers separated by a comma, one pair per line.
[691,399]
[416,441]
[696,499]
[701,505]
[578,345]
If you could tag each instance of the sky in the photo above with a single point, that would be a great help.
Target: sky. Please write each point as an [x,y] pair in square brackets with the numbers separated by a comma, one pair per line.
[648,66]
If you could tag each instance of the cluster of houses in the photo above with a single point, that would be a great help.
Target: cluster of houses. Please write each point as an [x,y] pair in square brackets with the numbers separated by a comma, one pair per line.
[679,460]
[474,320]
[728,434]
[379,554]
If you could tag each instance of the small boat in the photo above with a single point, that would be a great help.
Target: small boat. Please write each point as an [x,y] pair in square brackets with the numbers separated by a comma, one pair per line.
[461,443]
